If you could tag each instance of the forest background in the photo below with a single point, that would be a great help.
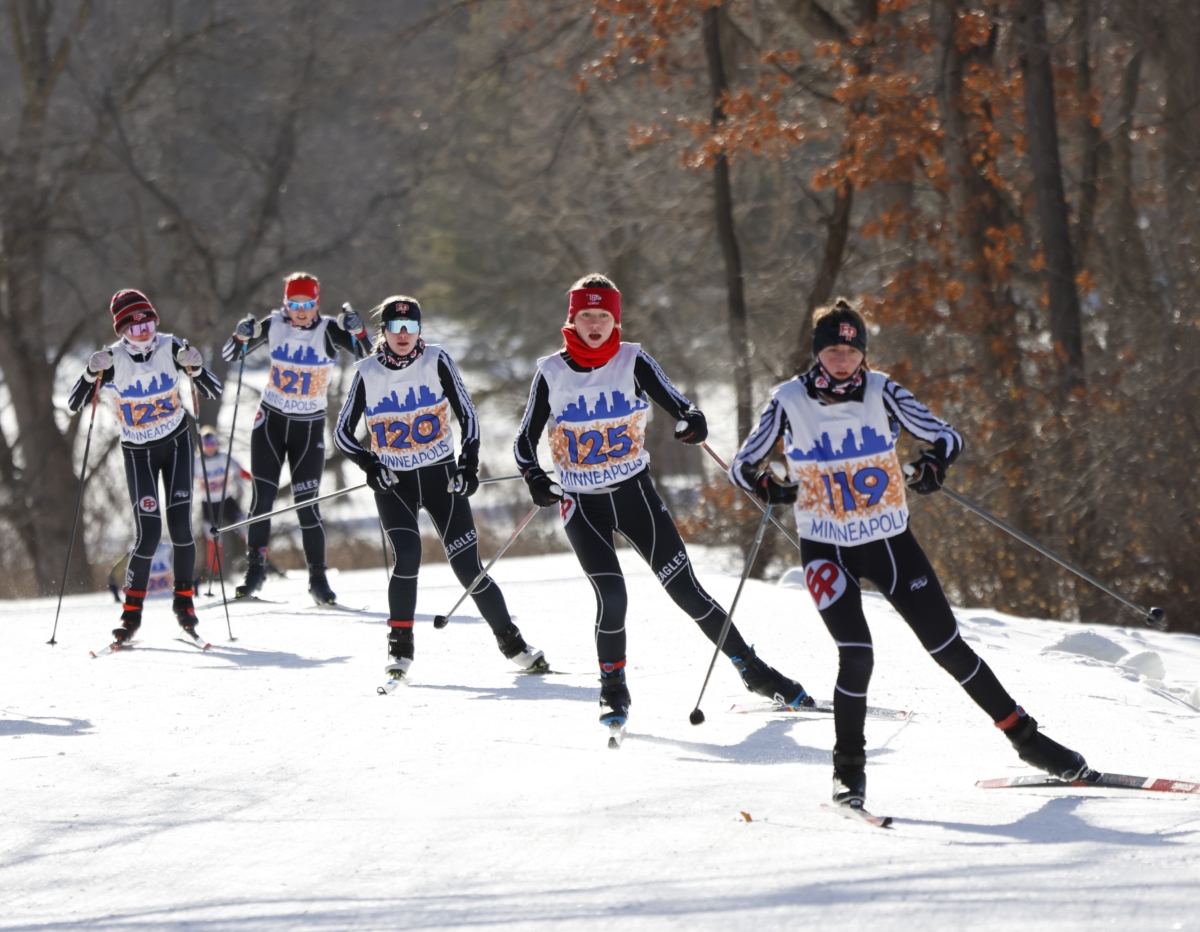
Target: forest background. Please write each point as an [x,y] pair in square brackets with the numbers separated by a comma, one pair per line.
[1010,188]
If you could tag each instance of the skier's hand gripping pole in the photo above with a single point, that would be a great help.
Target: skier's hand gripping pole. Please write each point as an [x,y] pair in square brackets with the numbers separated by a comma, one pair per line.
[87,447]
[697,716]
[440,621]
[750,495]
[1155,617]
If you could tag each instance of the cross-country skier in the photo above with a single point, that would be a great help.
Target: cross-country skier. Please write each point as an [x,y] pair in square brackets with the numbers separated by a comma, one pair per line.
[839,423]
[142,374]
[406,393]
[596,389]
[290,423]
[213,466]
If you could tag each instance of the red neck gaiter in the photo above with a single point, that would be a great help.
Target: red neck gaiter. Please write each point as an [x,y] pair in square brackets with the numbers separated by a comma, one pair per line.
[588,356]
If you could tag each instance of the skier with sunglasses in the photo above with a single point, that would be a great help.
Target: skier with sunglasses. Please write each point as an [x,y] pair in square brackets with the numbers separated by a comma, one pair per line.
[141,372]
[406,392]
[290,422]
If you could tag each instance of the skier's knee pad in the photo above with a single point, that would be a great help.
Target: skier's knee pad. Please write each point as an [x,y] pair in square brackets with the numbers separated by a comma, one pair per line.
[613,601]
[957,658]
[854,668]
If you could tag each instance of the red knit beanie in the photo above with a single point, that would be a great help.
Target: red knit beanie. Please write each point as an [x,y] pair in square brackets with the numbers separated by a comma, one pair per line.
[130,307]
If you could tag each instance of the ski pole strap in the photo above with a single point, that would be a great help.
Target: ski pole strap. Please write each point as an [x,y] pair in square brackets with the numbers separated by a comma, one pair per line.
[791,538]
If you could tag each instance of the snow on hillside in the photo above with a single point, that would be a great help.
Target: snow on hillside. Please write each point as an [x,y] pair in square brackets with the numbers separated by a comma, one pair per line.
[266,786]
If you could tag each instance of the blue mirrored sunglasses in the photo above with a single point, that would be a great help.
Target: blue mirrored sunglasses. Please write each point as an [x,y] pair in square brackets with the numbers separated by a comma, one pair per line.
[407,326]
[301,305]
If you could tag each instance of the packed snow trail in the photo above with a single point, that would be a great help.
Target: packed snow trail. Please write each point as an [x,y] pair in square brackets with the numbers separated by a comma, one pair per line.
[264,785]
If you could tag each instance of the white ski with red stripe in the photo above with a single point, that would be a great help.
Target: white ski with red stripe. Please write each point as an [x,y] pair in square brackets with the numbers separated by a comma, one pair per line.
[1095,778]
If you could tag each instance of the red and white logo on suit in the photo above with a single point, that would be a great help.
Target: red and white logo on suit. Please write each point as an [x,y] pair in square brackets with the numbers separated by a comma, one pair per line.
[149,503]
[566,508]
[826,582]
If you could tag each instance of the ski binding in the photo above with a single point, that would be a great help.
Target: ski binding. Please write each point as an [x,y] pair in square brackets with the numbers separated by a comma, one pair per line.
[859,814]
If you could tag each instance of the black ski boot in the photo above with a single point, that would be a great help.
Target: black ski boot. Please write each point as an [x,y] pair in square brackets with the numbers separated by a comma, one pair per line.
[765,680]
[513,646]
[131,617]
[401,649]
[185,610]
[849,779]
[256,573]
[1041,752]
[614,696]
[318,585]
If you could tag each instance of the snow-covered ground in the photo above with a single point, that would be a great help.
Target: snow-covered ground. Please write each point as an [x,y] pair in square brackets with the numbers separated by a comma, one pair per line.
[265,785]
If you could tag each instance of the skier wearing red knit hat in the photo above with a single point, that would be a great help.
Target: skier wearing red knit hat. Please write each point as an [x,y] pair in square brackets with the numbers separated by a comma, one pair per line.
[598,390]
[290,423]
[141,372]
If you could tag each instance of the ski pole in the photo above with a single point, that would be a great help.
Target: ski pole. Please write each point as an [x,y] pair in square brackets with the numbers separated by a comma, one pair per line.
[1154,617]
[697,716]
[284,510]
[78,502]
[208,497]
[383,540]
[750,495]
[440,621]
[219,516]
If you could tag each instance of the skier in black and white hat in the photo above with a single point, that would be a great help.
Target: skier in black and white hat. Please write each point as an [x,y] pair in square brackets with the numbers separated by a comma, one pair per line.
[840,422]
[290,422]
[406,393]
[141,372]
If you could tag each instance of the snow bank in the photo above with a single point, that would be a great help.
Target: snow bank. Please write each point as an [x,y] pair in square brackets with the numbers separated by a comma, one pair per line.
[265,786]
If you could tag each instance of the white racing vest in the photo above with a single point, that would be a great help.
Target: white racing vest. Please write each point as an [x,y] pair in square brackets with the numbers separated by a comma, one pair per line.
[599,432]
[407,414]
[300,367]
[213,468]
[844,458]
[145,395]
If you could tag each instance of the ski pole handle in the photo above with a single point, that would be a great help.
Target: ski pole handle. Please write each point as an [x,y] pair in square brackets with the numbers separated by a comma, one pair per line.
[791,538]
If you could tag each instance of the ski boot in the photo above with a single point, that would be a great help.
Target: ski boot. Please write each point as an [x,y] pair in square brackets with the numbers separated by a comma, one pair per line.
[614,701]
[513,646]
[1041,752]
[131,617]
[318,585]
[400,649]
[765,680]
[849,779]
[185,610]
[255,574]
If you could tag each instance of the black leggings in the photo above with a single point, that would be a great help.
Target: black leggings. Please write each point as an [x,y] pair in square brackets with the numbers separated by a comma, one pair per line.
[172,460]
[426,487]
[900,570]
[302,442]
[633,509]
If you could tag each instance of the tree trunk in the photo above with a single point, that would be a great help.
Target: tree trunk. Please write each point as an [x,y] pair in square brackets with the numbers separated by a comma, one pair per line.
[838,231]
[1089,135]
[727,234]
[1042,131]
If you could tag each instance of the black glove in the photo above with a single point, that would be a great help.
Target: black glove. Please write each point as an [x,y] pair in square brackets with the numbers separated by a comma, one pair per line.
[380,478]
[692,428]
[927,474]
[465,481]
[542,489]
[773,491]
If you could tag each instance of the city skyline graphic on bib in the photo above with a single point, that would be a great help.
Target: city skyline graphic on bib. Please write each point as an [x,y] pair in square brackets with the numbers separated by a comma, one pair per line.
[577,412]
[391,404]
[304,355]
[154,388]
[822,451]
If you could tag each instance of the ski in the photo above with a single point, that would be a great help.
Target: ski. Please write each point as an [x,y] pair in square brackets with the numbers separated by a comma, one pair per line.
[334,607]
[859,814]
[616,734]
[197,642]
[113,648]
[390,686]
[1095,778]
[823,706]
